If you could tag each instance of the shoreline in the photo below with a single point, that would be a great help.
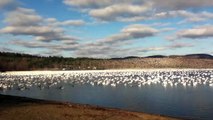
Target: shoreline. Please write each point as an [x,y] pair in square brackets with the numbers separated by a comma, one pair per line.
[14,108]
[41,72]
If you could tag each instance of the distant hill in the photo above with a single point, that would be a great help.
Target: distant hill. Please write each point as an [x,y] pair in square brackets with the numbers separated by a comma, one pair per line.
[205,56]
[156,56]
[124,58]
[198,56]
[17,62]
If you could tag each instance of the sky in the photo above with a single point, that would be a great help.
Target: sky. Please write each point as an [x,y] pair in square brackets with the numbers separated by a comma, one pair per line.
[106,28]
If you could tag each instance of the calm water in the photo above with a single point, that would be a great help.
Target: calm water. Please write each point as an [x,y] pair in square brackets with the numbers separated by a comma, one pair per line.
[190,101]
[186,102]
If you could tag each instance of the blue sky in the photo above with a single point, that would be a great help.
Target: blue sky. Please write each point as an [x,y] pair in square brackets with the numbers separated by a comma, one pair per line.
[106,28]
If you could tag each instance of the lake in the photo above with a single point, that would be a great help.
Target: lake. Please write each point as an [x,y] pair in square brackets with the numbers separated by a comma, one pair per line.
[185,93]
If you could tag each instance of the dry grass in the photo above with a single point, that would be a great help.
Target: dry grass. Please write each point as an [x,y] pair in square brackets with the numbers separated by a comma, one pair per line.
[160,63]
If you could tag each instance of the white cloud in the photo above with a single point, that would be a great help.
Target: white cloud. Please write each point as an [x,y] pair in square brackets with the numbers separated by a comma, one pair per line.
[188,16]
[51,20]
[105,46]
[88,3]
[30,30]
[166,4]
[54,22]
[196,32]
[23,17]
[131,19]
[72,23]
[149,49]
[139,28]
[22,21]
[42,45]
[8,4]
[177,13]
[181,4]
[119,11]
[135,10]
[176,45]
[29,44]
[172,46]
[131,32]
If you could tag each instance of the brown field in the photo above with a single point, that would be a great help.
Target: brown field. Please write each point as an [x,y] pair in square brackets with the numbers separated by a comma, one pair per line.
[160,63]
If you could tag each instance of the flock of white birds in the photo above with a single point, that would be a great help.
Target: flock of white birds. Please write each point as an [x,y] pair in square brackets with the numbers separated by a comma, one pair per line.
[113,78]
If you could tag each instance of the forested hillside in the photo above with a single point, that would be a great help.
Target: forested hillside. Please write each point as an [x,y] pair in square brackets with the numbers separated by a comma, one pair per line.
[16,62]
